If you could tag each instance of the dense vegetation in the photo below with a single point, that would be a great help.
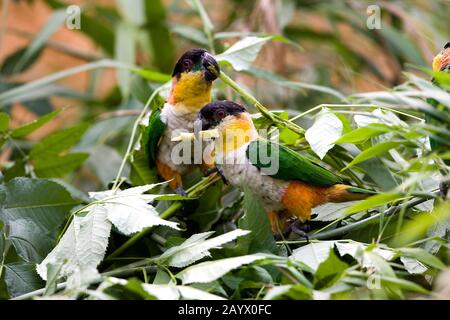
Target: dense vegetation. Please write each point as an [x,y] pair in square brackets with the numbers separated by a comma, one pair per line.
[80,208]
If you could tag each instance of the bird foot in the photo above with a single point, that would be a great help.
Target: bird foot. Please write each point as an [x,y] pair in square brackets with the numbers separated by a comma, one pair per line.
[219,171]
[299,228]
[181,191]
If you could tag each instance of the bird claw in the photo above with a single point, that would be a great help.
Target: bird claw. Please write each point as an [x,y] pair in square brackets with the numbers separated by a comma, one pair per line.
[181,191]
[219,171]
[299,229]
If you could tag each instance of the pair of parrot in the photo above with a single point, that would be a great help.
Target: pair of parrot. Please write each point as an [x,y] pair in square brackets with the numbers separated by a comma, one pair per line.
[288,195]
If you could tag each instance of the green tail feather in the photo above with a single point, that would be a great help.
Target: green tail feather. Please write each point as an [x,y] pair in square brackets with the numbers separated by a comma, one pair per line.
[361,190]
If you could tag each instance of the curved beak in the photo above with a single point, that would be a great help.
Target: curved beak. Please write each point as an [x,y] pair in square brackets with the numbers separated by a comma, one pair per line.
[210,67]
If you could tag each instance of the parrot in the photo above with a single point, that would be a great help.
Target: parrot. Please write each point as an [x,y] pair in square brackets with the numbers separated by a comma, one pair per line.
[191,87]
[288,194]
[441,63]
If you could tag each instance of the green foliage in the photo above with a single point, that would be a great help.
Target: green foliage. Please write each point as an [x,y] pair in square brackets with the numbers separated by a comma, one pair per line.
[105,225]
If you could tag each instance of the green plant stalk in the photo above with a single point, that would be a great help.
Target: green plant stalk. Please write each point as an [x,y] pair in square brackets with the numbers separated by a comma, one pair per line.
[208,27]
[343,230]
[192,192]
[264,111]
[131,142]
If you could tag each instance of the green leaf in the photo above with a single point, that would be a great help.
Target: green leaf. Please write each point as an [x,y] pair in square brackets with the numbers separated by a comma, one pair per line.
[213,270]
[324,132]
[256,220]
[55,21]
[423,256]
[418,226]
[294,85]
[362,134]
[125,52]
[329,271]
[140,172]
[4,121]
[374,201]
[57,142]
[58,166]
[9,65]
[163,48]
[372,152]
[197,247]
[242,54]
[22,278]
[52,277]
[33,210]
[34,125]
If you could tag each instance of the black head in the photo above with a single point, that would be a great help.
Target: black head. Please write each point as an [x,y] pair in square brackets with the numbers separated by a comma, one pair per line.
[197,60]
[213,113]
[447,45]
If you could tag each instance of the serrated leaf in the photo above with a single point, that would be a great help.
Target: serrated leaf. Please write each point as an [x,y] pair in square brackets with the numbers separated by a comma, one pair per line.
[322,135]
[197,247]
[59,166]
[34,209]
[242,54]
[213,270]
[57,142]
[129,210]
[34,125]
[82,246]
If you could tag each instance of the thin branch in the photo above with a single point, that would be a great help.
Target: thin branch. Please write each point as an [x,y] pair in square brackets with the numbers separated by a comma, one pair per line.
[343,230]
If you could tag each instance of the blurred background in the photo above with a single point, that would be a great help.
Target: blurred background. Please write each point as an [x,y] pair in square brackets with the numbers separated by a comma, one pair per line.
[329,44]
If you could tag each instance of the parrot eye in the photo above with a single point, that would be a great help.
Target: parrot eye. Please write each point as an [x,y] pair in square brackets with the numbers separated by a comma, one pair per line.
[220,114]
[187,64]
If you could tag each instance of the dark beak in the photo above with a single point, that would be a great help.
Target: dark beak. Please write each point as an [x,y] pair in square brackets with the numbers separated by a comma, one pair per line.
[210,67]
[199,125]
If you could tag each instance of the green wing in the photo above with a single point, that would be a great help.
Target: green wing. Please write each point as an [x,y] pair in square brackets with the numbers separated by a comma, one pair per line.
[152,136]
[292,166]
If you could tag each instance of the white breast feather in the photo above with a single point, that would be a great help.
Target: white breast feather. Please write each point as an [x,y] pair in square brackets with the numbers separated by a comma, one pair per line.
[239,172]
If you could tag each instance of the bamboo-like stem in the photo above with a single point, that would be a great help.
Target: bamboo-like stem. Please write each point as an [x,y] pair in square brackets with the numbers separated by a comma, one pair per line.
[192,192]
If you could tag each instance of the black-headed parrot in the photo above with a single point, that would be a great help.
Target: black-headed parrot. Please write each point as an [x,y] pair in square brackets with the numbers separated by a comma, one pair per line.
[289,184]
[191,89]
